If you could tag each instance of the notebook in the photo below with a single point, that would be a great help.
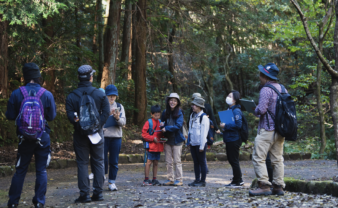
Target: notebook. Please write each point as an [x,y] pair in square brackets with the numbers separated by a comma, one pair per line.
[227,117]
[248,105]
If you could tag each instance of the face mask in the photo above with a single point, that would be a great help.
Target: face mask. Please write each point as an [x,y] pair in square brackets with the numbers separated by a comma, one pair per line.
[229,101]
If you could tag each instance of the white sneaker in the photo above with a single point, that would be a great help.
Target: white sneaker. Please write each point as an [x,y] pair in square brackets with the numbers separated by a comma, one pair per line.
[91,176]
[112,187]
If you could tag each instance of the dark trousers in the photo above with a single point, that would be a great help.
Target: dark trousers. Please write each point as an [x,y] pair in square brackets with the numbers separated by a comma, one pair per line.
[200,166]
[113,146]
[269,167]
[41,153]
[232,150]
[83,148]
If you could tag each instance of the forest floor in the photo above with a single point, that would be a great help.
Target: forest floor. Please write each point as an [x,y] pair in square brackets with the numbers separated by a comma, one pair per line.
[62,188]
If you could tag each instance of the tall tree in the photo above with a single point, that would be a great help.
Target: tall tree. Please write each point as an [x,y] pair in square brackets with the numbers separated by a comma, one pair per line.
[48,68]
[3,57]
[332,72]
[111,44]
[140,69]
[100,24]
[126,38]
[171,58]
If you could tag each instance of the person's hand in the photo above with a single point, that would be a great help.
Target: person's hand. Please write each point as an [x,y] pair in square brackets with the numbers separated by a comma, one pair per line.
[163,130]
[186,136]
[201,150]
[222,125]
[162,124]
[116,115]
[218,132]
[112,112]
[156,140]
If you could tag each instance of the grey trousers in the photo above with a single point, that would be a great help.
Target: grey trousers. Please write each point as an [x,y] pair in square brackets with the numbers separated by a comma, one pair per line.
[83,148]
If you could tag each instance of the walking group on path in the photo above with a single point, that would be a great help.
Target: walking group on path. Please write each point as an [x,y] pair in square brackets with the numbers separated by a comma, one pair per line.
[98,120]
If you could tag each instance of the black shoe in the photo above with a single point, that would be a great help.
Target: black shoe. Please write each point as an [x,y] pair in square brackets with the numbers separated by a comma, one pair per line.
[83,199]
[147,183]
[193,183]
[200,184]
[232,184]
[39,205]
[97,197]
[12,206]
[155,183]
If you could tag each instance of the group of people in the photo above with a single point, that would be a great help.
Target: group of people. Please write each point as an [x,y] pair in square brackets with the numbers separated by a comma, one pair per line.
[98,120]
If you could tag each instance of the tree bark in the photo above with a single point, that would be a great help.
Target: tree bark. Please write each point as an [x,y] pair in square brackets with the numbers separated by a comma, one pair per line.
[334,84]
[49,70]
[3,58]
[126,39]
[100,38]
[111,49]
[140,84]
[133,44]
[171,59]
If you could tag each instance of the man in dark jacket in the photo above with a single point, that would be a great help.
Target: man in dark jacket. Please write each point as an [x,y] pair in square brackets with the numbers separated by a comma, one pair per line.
[26,149]
[83,146]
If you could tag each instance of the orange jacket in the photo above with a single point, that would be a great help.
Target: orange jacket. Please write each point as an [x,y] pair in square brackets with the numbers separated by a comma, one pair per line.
[153,147]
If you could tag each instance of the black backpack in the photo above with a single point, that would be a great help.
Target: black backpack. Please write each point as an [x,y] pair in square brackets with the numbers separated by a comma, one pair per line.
[89,115]
[244,131]
[285,117]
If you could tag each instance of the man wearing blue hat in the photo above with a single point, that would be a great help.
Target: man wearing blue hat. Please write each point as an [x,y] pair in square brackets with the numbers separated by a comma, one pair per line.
[88,144]
[113,135]
[267,139]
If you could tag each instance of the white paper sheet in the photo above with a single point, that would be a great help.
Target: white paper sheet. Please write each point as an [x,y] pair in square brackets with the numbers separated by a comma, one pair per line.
[95,138]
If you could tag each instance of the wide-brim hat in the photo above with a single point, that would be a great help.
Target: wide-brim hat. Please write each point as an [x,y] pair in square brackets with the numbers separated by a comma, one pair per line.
[173,95]
[195,95]
[270,70]
[198,102]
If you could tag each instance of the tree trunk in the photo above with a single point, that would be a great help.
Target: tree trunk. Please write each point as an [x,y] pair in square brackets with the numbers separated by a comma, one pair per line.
[171,59]
[3,58]
[100,38]
[334,85]
[111,50]
[126,38]
[140,84]
[49,70]
[133,44]
[78,34]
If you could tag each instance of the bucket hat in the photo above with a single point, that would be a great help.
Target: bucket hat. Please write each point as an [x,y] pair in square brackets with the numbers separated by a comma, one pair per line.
[270,70]
[198,102]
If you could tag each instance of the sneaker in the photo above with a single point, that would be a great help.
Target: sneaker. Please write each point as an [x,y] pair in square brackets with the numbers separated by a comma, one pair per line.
[91,176]
[193,183]
[178,183]
[97,197]
[168,183]
[112,187]
[200,184]
[155,182]
[83,199]
[232,184]
[147,183]
[12,206]
[39,205]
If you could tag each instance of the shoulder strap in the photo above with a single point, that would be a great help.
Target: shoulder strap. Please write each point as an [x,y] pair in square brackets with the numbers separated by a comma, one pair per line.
[24,91]
[150,123]
[272,87]
[40,92]
[118,105]
[77,92]
[203,114]
[283,88]
[91,92]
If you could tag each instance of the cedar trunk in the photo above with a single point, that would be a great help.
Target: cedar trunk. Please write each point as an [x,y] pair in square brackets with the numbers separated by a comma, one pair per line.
[171,59]
[111,50]
[133,43]
[3,58]
[49,70]
[100,25]
[126,39]
[334,84]
[140,69]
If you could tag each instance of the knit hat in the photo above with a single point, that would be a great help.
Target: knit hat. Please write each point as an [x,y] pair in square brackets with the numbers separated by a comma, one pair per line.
[112,90]
[155,109]
[270,70]
[30,71]
[198,102]
[85,72]
[195,95]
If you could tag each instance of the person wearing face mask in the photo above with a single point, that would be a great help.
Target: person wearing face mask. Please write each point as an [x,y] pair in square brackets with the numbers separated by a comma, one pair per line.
[232,138]
[267,139]
[172,118]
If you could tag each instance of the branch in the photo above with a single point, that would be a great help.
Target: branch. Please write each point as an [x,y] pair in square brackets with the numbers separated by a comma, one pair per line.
[313,43]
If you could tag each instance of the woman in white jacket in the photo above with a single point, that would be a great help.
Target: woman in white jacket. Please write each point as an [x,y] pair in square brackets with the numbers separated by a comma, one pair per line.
[198,131]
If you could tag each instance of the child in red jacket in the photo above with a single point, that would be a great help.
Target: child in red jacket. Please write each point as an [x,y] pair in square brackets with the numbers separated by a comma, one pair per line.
[153,136]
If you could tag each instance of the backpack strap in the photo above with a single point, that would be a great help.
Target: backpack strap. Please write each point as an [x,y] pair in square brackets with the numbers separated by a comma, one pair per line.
[40,92]
[24,91]
[201,118]
[118,105]
[272,87]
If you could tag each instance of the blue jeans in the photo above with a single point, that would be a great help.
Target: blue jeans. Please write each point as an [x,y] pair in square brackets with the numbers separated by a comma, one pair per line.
[113,146]
[42,158]
[200,166]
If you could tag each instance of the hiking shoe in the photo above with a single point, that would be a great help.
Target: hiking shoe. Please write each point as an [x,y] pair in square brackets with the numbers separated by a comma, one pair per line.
[155,182]
[263,189]
[178,183]
[168,183]
[12,206]
[232,184]
[277,190]
[97,197]
[83,199]
[193,183]
[112,187]
[39,205]
[200,184]
[91,176]
[147,183]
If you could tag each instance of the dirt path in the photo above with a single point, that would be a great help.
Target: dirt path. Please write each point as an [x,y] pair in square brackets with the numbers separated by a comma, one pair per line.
[62,188]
